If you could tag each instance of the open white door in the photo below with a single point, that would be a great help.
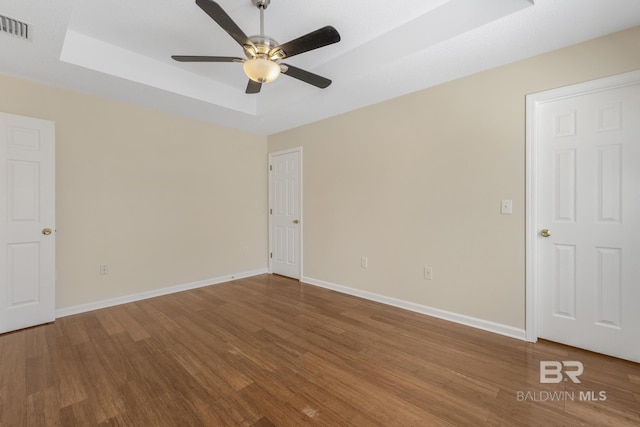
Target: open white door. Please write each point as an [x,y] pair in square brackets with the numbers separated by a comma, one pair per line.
[27,222]
[584,228]
[285,209]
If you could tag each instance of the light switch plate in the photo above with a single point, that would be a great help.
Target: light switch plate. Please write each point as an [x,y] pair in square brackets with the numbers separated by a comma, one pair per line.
[506,207]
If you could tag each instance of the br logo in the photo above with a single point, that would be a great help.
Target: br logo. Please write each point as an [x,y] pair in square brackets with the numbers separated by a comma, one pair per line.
[553,372]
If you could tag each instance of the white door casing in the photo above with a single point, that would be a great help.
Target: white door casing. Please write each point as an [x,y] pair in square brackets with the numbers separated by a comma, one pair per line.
[285,213]
[27,222]
[583,185]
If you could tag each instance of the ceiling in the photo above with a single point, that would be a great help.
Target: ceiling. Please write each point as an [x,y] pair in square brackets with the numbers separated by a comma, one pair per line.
[121,49]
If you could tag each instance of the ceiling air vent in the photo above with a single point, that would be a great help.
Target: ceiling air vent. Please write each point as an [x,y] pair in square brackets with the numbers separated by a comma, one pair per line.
[13,27]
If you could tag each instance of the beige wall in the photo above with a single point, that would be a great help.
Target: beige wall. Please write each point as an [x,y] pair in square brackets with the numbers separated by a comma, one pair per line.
[417,181]
[161,199]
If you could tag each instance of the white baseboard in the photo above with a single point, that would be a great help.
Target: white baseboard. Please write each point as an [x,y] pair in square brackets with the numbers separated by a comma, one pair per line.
[83,308]
[485,325]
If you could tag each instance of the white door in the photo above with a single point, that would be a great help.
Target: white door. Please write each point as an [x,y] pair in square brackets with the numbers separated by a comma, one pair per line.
[587,216]
[285,212]
[27,222]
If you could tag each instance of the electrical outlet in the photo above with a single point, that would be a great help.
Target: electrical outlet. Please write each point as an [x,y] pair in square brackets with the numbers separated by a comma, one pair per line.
[428,273]
[364,262]
[104,270]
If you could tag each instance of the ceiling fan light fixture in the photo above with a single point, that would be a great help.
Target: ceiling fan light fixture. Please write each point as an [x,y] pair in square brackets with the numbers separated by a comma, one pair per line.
[264,53]
[261,70]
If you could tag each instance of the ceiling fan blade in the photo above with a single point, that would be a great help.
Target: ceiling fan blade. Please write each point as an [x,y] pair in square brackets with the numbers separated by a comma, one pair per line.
[306,76]
[218,14]
[191,58]
[253,87]
[314,40]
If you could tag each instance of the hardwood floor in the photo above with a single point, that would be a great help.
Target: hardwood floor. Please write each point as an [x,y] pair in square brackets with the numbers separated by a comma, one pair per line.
[269,351]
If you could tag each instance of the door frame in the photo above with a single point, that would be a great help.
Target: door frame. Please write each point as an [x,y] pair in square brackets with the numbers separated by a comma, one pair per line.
[531,146]
[300,195]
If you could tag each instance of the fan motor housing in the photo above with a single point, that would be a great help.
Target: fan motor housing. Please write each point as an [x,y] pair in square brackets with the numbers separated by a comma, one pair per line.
[263,43]
[263,46]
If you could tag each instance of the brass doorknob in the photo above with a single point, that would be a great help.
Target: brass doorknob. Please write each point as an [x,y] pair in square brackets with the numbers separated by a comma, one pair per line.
[295,221]
[46,231]
[545,233]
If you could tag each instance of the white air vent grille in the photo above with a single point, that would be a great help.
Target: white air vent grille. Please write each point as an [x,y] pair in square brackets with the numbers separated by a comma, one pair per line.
[16,28]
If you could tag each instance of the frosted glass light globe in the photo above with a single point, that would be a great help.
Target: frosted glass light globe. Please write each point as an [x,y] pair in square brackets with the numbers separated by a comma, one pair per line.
[261,70]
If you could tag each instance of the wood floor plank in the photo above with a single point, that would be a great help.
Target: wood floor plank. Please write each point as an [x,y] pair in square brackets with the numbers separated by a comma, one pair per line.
[43,408]
[12,379]
[270,351]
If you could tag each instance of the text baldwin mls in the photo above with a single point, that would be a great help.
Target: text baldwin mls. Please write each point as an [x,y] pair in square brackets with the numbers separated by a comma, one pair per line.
[552,396]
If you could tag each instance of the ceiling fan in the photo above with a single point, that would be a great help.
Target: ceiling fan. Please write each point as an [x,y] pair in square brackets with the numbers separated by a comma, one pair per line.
[264,53]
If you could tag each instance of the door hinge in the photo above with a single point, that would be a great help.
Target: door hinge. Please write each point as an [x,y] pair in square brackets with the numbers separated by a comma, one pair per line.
[270,167]
[271,255]
[271,211]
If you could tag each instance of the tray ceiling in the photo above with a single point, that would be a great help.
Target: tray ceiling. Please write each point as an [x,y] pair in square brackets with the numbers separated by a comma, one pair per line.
[121,49]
